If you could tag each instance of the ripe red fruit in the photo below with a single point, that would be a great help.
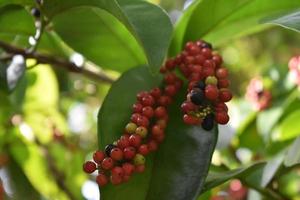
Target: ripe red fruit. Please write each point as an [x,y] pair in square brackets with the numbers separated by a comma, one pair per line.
[170,64]
[206,52]
[129,153]
[225,95]
[222,73]
[170,78]
[140,168]
[128,168]
[135,140]
[116,154]
[89,167]
[101,179]
[164,100]
[223,83]
[178,84]
[208,72]
[148,111]
[143,121]
[217,59]
[137,107]
[123,141]
[155,92]
[199,59]
[170,90]
[211,92]
[152,145]
[209,64]
[141,95]
[162,123]
[107,163]
[222,117]
[117,171]
[143,149]
[148,100]
[159,138]
[115,180]
[98,156]
[157,130]
[160,112]
[134,117]
[191,120]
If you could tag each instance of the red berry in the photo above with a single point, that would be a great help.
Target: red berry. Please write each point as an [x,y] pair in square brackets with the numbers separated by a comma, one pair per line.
[148,111]
[135,140]
[115,180]
[170,78]
[98,156]
[143,121]
[225,95]
[159,138]
[141,95]
[129,153]
[162,123]
[116,154]
[170,90]
[209,64]
[157,130]
[134,117]
[191,120]
[221,106]
[155,92]
[199,59]
[89,167]
[164,100]
[211,92]
[188,106]
[223,83]
[107,163]
[193,50]
[189,60]
[117,171]
[208,72]
[123,141]
[148,100]
[128,168]
[143,149]
[137,107]
[152,145]
[140,168]
[101,180]
[178,84]
[222,73]
[222,117]
[206,52]
[160,112]
[170,64]
[163,70]
[217,59]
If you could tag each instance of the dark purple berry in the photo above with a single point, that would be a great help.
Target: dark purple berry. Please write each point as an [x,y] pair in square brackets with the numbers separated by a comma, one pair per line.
[200,85]
[36,12]
[108,149]
[197,96]
[206,45]
[208,122]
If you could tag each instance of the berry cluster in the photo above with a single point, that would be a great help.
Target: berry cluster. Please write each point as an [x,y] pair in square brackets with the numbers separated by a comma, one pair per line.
[259,96]
[207,93]
[294,67]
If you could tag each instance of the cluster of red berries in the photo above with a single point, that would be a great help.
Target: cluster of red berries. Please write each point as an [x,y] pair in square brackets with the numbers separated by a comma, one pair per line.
[207,84]
[259,96]
[146,129]
[294,67]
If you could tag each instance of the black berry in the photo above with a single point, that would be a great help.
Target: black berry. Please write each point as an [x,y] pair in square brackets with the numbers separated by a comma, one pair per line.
[206,45]
[35,12]
[208,122]
[108,149]
[197,97]
[200,85]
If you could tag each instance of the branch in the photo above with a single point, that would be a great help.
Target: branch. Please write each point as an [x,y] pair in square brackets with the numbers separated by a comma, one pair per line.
[57,62]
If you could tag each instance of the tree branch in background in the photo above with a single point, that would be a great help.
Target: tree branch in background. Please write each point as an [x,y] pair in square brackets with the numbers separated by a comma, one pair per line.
[57,62]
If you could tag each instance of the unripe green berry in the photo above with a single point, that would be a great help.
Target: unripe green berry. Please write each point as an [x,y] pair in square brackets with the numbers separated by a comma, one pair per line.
[211,80]
[142,131]
[139,159]
[130,128]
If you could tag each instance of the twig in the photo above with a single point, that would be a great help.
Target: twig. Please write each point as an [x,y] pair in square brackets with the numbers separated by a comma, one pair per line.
[57,62]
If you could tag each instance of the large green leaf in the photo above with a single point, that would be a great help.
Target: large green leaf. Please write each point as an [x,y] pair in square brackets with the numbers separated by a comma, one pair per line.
[290,20]
[217,178]
[178,170]
[147,23]
[220,20]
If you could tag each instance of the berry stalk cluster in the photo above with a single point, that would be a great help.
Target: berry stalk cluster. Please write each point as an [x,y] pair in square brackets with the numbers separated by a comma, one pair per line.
[204,105]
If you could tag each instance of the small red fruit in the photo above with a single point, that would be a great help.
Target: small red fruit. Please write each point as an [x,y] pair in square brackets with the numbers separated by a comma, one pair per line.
[170,90]
[134,117]
[222,117]
[101,179]
[152,145]
[98,156]
[135,140]
[157,130]
[170,78]
[225,95]
[129,153]
[89,167]
[160,112]
[115,180]
[117,171]
[107,163]
[148,111]
[137,107]
[116,154]
[191,120]
[140,168]
[211,92]
[223,83]
[164,100]
[143,149]
[222,73]
[143,121]
[123,141]
[155,92]
[128,168]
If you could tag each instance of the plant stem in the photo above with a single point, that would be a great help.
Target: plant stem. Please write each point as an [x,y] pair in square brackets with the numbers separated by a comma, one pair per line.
[57,62]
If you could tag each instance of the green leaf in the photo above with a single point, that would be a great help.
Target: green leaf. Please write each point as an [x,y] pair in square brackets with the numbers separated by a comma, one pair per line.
[20,2]
[217,178]
[218,20]
[293,154]
[289,128]
[288,20]
[178,169]
[147,23]
[11,73]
